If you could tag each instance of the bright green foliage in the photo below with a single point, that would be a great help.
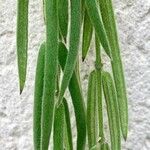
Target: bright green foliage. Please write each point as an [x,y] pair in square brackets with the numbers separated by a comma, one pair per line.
[58,68]
[98,67]
[73,46]
[87,35]
[59,120]
[91,110]
[110,26]
[38,93]
[77,100]
[63,17]
[112,111]
[50,71]
[22,40]
[96,20]
[68,125]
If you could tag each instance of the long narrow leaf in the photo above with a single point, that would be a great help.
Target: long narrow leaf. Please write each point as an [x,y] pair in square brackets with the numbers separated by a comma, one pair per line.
[98,66]
[96,20]
[110,26]
[68,125]
[58,128]
[82,9]
[50,71]
[77,100]
[87,35]
[112,111]
[38,92]
[73,46]
[66,140]
[91,110]
[63,17]
[22,41]
[77,69]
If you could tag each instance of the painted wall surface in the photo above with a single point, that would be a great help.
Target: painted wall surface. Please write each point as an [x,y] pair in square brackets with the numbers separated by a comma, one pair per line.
[133,17]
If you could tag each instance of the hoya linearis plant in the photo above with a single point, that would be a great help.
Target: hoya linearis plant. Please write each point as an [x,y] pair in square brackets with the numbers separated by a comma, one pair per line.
[59,57]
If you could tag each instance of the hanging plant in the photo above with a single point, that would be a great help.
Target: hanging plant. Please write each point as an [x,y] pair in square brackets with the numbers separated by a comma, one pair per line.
[59,56]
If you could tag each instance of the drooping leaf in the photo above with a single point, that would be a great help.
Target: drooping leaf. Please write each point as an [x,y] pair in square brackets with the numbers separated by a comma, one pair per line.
[63,17]
[68,125]
[91,110]
[38,92]
[22,40]
[98,67]
[96,20]
[77,100]
[59,121]
[112,111]
[87,35]
[75,26]
[110,26]
[50,71]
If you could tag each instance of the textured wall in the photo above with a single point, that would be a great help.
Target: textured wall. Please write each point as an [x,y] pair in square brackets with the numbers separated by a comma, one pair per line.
[133,18]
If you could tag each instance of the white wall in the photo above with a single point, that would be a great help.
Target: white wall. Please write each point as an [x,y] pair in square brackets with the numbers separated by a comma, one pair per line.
[16,111]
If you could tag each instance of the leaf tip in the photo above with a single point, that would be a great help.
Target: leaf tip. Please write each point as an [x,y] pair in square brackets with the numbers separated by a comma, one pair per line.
[125,136]
[124,129]
[21,90]
[83,58]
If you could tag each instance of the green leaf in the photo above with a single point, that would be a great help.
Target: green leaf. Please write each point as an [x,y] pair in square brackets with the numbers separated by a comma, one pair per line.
[50,71]
[73,46]
[22,41]
[38,92]
[68,125]
[98,67]
[63,17]
[87,35]
[112,111]
[110,26]
[82,9]
[91,110]
[96,20]
[77,100]
[59,128]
